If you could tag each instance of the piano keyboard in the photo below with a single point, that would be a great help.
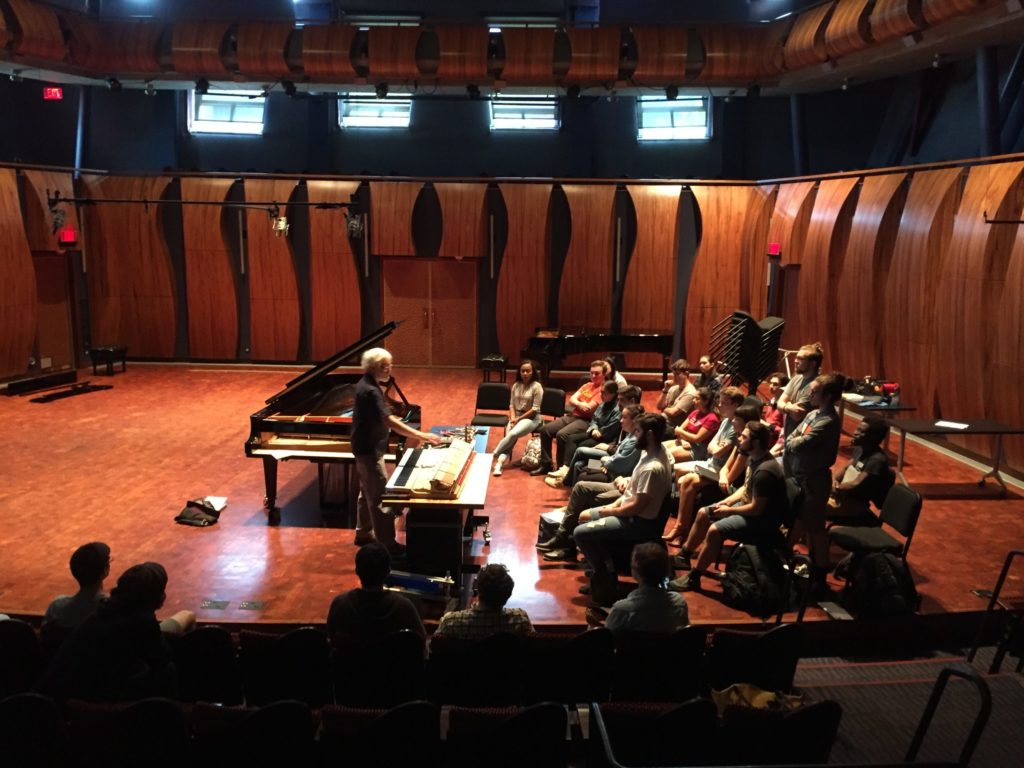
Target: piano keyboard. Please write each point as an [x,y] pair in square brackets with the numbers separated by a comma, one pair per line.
[431,472]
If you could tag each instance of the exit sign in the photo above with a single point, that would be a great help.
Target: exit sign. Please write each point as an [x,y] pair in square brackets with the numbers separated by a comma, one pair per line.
[52,93]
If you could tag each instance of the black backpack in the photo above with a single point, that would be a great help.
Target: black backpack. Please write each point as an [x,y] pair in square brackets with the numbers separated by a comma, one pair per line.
[881,585]
[753,580]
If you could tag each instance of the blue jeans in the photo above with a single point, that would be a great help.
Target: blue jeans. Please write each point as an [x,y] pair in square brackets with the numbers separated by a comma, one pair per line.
[515,431]
[579,462]
[593,538]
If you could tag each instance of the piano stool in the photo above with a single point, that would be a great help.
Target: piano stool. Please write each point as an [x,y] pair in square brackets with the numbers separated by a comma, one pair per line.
[109,355]
[495,364]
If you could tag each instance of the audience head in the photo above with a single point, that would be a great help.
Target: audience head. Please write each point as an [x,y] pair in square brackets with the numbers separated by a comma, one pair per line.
[729,399]
[870,433]
[609,390]
[527,372]
[373,564]
[756,437]
[629,395]
[90,564]
[650,426]
[629,416]
[681,369]
[140,588]
[705,399]
[777,382]
[649,563]
[378,362]
[706,365]
[744,414]
[808,358]
[494,585]
[597,372]
[827,389]
[609,367]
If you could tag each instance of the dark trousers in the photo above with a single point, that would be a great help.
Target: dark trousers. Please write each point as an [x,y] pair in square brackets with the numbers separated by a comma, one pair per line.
[558,430]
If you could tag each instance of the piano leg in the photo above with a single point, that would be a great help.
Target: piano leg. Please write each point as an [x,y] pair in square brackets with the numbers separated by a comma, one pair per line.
[270,482]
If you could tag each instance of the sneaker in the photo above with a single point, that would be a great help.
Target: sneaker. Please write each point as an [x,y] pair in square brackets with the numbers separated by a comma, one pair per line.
[681,562]
[559,473]
[564,555]
[497,470]
[688,583]
[554,482]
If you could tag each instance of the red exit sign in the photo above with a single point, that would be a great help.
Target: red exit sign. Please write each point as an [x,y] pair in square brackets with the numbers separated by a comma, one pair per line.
[52,93]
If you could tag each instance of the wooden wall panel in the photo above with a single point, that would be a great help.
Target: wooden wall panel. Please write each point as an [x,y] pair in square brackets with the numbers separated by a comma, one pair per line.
[273,290]
[585,293]
[821,265]
[37,32]
[113,47]
[392,53]
[649,293]
[38,219]
[849,29]
[464,223]
[131,282]
[734,53]
[326,50]
[521,301]
[806,44]
[463,53]
[860,287]
[195,47]
[391,204]
[333,274]
[715,289]
[1007,371]
[937,11]
[18,285]
[261,48]
[970,292]
[891,19]
[754,275]
[661,55]
[595,55]
[529,55]
[209,273]
[918,258]
[790,217]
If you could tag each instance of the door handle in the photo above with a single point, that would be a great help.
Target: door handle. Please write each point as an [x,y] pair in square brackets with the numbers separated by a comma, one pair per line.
[433,317]
[426,321]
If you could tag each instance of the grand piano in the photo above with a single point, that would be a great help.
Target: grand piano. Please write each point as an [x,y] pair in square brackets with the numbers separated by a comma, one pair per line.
[550,346]
[311,419]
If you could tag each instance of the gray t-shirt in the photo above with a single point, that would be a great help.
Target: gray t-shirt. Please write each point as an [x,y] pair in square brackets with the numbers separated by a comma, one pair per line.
[653,477]
[798,391]
[68,611]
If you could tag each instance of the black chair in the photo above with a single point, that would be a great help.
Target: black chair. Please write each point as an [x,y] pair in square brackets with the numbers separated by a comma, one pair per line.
[780,540]
[622,551]
[378,672]
[901,510]
[32,731]
[295,665]
[151,732]
[21,657]
[642,658]
[407,735]
[659,733]
[284,728]
[803,736]
[509,737]
[570,668]
[481,672]
[552,404]
[208,667]
[765,659]
[491,396]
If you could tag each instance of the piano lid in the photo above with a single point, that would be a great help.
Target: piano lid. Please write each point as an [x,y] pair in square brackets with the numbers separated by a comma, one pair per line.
[349,355]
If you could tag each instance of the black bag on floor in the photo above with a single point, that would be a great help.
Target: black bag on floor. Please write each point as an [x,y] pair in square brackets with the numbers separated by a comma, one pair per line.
[881,585]
[198,512]
[753,580]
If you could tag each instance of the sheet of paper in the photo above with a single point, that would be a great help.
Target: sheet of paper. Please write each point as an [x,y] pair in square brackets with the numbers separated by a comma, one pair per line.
[951,425]
[218,502]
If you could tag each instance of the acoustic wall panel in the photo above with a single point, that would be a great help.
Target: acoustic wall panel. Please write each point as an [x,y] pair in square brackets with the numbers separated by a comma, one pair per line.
[849,29]
[37,31]
[391,204]
[585,293]
[805,45]
[1007,364]
[18,286]
[891,19]
[326,50]
[261,48]
[754,276]
[195,47]
[661,55]
[113,47]
[595,55]
[38,218]
[462,214]
[529,55]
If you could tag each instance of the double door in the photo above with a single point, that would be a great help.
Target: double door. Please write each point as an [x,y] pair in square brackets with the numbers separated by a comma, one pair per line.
[437,300]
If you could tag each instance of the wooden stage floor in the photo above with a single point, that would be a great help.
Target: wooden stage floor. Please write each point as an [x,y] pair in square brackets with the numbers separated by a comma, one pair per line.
[118,465]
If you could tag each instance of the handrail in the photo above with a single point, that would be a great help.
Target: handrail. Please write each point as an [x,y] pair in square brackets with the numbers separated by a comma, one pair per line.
[992,603]
[980,721]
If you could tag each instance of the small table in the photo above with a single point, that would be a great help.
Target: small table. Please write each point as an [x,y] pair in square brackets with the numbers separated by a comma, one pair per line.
[873,408]
[977,427]
[109,355]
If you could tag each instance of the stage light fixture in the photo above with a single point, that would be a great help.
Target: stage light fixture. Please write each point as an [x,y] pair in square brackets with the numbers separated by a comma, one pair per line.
[672,93]
[289,87]
[16,76]
[202,86]
[113,84]
[573,92]
[382,90]
[150,89]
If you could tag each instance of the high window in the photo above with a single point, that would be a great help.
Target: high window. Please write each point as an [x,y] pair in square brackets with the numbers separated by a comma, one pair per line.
[686,118]
[355,111]
[524,113]
[238,112]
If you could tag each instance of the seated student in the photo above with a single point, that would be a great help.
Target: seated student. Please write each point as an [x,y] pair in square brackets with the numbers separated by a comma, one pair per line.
[632,517]
[611,373]
[90,565]
[693,435]
[118,653]
[523,412]
[584,402]
[489,615]
[757,509]
[677,394]
[617,463]
[604,427]
[708,376]
[650,607]
[694,485]
[369,611]
[865,479]
[772,416]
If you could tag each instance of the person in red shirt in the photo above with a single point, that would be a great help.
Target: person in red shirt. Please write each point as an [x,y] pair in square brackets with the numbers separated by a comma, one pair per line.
[772,416]
[584,402]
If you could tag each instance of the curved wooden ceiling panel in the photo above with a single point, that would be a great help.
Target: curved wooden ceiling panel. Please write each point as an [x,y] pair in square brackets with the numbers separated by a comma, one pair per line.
[891,19]
[806,44]
[529,55]
[18,286]
[334,278]
[261,48]
[209,273]
[195,47]
[392,53]
[464,230]
[585,293]
[661,55]
[37,32]
[38,219]
[919,257]
[937,11]
[463,53]
[849,29]
[741,54]
[113,47]
[860,308]
[391,204]
[326,51]
[595,55]
[521,300]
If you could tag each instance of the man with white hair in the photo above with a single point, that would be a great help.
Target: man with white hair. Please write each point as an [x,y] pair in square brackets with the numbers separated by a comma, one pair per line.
[371,422]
